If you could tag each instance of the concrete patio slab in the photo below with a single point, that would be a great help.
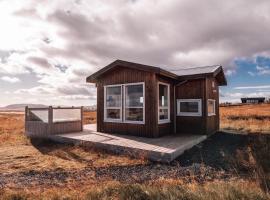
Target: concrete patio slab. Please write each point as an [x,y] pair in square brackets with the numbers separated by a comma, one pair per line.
[163,149]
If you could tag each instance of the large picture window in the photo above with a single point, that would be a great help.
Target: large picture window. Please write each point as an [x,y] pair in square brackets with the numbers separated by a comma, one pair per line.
[113,103]
[163,103]
[189,107]
[211,107]
[132,102]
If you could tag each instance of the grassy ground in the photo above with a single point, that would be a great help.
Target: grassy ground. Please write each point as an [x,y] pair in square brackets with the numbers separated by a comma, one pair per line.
[246,118]
[18,153]
[225,166]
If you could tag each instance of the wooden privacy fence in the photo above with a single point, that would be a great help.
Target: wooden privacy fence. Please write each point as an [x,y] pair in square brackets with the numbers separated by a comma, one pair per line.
[43,122]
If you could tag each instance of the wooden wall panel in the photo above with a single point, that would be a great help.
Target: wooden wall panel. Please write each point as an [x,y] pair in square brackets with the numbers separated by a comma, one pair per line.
[66,127]
[122,76]
[213,93]
[200,88]
[192,89]
[36,129]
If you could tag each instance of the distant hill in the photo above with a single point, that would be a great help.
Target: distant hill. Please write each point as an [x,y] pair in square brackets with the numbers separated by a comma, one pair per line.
[20,107]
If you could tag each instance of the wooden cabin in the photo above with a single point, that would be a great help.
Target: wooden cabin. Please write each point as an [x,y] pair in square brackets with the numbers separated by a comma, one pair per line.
[147,101]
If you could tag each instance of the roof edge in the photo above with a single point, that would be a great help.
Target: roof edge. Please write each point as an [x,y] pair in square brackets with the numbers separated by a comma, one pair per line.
[92,78]
[217,72]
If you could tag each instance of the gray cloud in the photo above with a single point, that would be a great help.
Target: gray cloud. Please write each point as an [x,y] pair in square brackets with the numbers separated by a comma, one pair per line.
[203,33]
[4,55]
[26,12]
[74,90]
[42,62]
[75,39]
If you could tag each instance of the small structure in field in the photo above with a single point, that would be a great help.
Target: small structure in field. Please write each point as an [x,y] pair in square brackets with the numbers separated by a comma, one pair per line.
[253,100]
[142,100]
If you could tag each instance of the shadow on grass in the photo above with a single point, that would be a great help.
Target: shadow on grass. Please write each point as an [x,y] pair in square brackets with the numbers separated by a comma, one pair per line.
[60,150]
[218,151]
[243,155]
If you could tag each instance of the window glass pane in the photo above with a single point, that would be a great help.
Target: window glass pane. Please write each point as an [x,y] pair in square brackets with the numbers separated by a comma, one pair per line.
[113,113]
[189,107]
[134,96]
[39,115]
[113,96]
[163,95]
[134,114]
[60,115]
[163,114]
[211,107]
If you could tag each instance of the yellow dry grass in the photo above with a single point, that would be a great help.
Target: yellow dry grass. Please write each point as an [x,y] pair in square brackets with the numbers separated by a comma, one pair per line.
[246,118]
[17,153]
[12,129]
[89,117]
[163,189]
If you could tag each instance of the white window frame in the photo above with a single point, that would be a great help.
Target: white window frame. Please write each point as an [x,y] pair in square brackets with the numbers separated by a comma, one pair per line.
[105,104]
[214,113]
[162,121]
[123,104]
[194,114]
[124,99]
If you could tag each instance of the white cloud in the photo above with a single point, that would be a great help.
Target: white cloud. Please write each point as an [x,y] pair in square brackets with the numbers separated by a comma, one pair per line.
[236,96]
[97,32]
[10,79]
[265,70]
[83,36]
[251,73]
[230,72]
[78,97]
[252,87]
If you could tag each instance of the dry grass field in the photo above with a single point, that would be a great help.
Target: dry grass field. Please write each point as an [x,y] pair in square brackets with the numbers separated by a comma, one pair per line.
[246,118]
[236,168]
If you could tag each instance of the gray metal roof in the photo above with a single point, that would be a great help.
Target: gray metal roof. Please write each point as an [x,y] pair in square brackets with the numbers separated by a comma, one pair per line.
[177,74]
[195,70]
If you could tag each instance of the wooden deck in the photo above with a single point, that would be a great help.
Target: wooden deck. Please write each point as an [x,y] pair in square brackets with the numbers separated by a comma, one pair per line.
[163,149]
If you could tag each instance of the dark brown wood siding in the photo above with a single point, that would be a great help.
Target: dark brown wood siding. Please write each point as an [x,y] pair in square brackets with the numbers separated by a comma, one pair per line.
[192,89]
[200,88]
[123,76]
[212,92]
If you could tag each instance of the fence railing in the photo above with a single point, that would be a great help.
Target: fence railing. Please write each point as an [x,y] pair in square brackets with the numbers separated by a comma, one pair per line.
[40,122]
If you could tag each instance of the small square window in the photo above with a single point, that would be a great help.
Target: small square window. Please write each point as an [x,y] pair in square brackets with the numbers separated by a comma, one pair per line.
[163,103]
[213,84]
[189,107]
[211,107]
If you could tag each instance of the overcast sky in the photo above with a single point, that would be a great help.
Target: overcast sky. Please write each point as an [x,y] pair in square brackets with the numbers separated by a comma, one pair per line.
[47,48]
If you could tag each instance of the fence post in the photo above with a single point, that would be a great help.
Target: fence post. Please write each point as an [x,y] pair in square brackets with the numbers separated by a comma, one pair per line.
[81,118]
[50,120]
